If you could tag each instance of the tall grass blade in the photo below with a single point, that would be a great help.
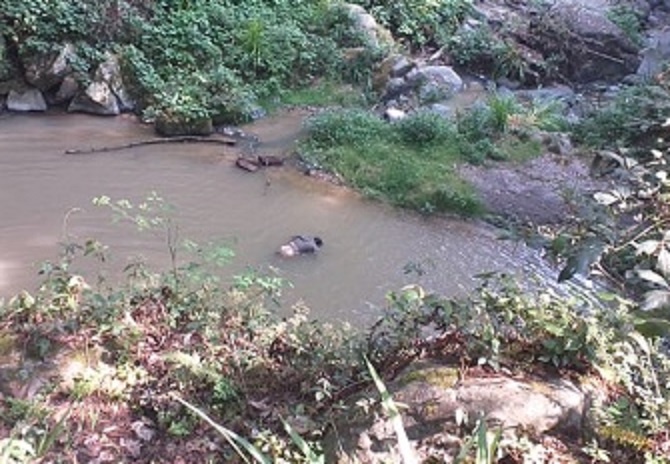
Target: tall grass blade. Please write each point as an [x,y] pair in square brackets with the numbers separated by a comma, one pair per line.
[52,435]
[307,451]
[406,451]
[232,438]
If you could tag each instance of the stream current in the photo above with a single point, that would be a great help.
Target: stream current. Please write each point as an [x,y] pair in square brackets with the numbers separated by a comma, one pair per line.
[368,246]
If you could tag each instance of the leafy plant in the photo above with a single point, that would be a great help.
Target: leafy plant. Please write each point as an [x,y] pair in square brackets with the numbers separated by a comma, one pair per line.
[243,447]
[484,441]
[420,22]
[631,120]
[253,41]
[629,21]
[425,128]
[346,127]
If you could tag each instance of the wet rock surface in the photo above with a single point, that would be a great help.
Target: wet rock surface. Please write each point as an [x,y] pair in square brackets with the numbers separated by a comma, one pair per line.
[542,191]
[26,100]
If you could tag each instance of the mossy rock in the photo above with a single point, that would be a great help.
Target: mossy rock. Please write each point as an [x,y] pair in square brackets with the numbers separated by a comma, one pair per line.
[435,376]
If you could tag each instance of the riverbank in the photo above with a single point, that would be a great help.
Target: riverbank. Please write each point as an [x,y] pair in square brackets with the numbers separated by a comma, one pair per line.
[171,360]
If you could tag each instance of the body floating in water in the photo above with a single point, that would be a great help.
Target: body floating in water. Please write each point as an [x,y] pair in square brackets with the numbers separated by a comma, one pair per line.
[300,245]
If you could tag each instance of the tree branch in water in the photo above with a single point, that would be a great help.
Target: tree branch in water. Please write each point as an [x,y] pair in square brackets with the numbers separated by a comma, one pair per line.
[125,146]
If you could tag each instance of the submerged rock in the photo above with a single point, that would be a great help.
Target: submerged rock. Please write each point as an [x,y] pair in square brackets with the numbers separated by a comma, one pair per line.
[250,165]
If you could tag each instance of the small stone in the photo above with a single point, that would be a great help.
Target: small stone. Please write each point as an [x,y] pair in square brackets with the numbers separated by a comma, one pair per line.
[247,164]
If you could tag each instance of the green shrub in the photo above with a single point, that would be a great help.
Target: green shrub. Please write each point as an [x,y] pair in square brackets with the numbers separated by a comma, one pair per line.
[36,25]
[425,128]
[473,48]
[346,127]
[408,163]
[503,114]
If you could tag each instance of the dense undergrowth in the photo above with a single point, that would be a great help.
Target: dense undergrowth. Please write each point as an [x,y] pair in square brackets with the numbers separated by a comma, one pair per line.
[194,59]
[621,234]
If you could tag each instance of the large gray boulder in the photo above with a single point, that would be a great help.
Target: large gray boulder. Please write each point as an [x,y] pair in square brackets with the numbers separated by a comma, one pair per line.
[107,94]
[406,84]
[67,90]
[97,98]
[376,36]
[109,71]
[433,397]
[435,83]
[589,45]
[30,99]
[46,71]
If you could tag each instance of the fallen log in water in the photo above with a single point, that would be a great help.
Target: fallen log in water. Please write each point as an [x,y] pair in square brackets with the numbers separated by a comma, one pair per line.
[125,146]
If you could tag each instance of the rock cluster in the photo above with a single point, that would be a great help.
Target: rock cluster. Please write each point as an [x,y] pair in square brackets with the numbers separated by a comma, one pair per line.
[584,36]
[50,79]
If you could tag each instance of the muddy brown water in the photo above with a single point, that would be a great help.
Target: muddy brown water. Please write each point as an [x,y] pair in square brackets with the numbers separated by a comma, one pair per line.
[367,245]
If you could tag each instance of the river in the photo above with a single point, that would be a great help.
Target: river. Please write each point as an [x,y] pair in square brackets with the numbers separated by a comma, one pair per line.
[367,247]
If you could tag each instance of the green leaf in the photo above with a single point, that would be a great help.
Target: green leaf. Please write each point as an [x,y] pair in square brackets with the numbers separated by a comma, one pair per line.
[588,253]
[391,409]
[605,198]
[641,342]
[571,268]
[487,443]
[663,263]
[232,438]
[648,247]
[310,455]
[652,277]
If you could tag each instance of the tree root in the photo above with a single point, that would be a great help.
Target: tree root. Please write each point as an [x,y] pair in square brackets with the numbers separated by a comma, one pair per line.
[125,146]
